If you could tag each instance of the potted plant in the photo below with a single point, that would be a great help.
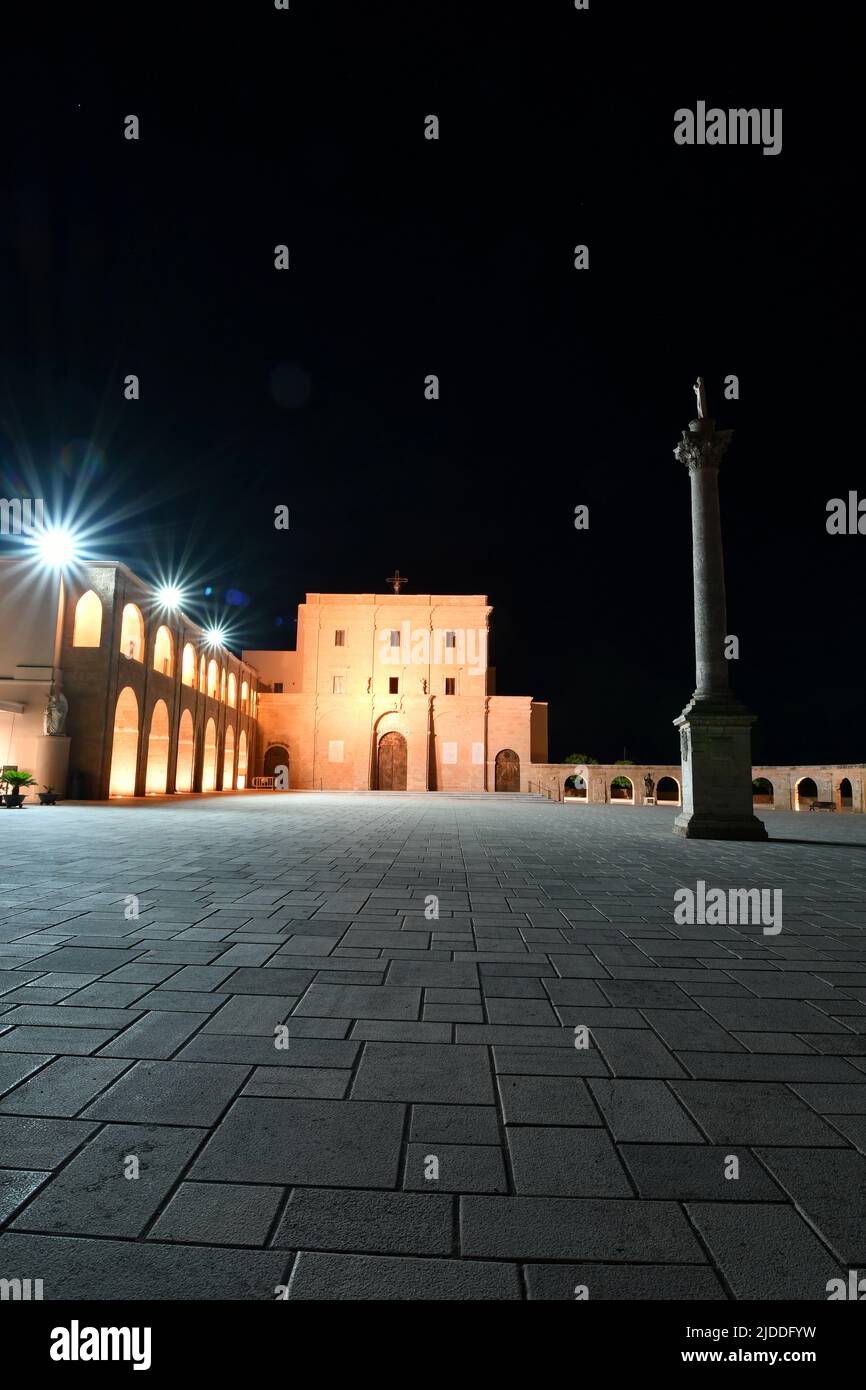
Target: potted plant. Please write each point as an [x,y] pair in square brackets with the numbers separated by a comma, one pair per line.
[14,782]
[48,797]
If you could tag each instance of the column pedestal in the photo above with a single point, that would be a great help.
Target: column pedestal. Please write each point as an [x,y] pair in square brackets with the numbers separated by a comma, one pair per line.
[716,751]
[51,764]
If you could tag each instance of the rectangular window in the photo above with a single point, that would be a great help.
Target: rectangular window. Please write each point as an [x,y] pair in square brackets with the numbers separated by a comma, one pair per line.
[449,752]
[335,750]
[278,687]
[450,685]
[339,685]
[451,639]
[395,638]
[393,685]
[478,753]
[340,637]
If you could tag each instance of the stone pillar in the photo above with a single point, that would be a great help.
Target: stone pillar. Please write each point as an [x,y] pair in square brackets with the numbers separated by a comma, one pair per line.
[715,729]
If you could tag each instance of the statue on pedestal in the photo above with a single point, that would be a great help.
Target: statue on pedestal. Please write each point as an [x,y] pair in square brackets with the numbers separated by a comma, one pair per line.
[649,785]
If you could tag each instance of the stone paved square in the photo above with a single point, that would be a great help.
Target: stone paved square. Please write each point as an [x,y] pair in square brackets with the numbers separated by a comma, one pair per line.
[285,1042]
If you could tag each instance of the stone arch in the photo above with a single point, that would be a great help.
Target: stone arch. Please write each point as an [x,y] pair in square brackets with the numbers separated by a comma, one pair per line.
[187,665]
[245,695]
[763,793]
[242,760]
[668,790]
[845,795]
[156,770]
[392,761]
[576,786]
[229,760]
[87,624]
[213,679]
[622,789]
[275,756]
[223,685]
[124,747]
[506,771]
[163,651]
[209,761]
[805,792]
[132,633]
[202,675]
[233,691]
[185,754]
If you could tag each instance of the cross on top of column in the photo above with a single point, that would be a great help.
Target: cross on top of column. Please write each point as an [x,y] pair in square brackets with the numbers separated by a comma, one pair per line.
[397,580]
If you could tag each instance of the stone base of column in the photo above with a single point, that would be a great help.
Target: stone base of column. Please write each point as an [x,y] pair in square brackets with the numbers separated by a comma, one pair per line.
[716,751]
[51,763]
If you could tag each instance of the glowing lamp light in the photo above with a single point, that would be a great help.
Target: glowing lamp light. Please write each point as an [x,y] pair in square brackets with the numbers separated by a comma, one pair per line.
[215,636]
[169,595]
[56,547]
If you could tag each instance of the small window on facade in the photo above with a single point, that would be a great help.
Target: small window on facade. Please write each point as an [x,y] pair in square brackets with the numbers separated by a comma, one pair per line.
[393,685]
[278,687]
[339,685]
[340,637]
[395,639]
[451,639]
[450,685]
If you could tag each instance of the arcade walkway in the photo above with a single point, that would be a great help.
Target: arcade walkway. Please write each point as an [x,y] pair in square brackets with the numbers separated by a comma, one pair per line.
[424,1126]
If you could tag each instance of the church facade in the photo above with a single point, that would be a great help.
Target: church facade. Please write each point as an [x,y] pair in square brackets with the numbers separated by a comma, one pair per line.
[394,692]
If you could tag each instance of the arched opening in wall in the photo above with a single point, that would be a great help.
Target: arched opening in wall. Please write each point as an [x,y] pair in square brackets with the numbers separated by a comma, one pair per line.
[156,775]
[229,761]
[622,789]
[245,695]
[185,753]
[277,756]
[222,686]
[233,691]
[87,627]
[163,652]
[242,760]
[668,789]
[575,786]
[762,791]
[805,792]
[846,795]
[202,676]
[187,666]
[209,763]
[392,762]
[506,771]
[124,748]
[132,633]
[213,679]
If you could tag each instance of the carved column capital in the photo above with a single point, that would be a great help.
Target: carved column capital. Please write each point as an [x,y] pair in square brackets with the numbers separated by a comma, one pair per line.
[702,449]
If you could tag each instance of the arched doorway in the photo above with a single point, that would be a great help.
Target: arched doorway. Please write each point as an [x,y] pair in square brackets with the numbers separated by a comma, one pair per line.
[208,768]
[846,795]
[762,791]
[124,749]
[242,759]
[132,633]
[276,757]
[185,753]
[668,789]
[805,792]
[507,771]
[392,762]
[622,789]
[156,775]
[575,786]
[87,624]
[229,761]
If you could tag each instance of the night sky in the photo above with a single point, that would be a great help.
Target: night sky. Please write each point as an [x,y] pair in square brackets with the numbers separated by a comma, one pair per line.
[410,257]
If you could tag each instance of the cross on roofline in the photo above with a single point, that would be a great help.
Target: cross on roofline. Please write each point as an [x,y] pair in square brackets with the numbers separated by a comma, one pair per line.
[397,580]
